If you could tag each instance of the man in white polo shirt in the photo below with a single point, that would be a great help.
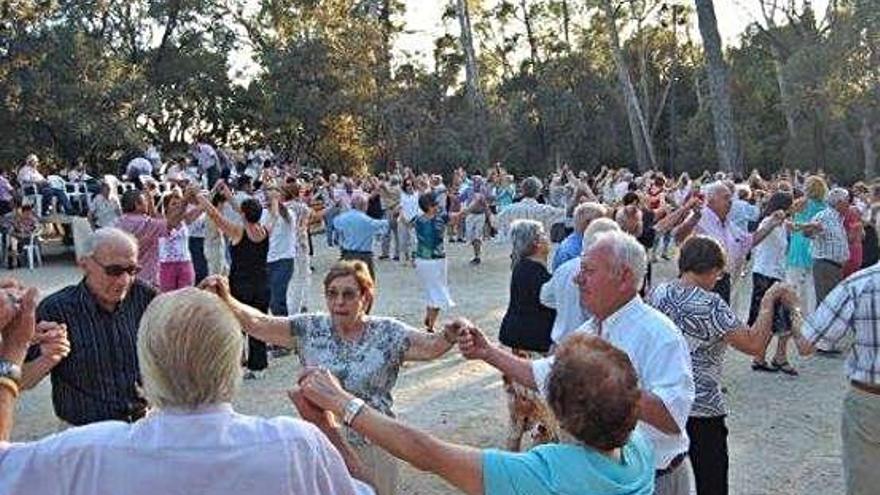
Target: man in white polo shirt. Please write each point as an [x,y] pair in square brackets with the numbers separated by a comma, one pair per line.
[611,273]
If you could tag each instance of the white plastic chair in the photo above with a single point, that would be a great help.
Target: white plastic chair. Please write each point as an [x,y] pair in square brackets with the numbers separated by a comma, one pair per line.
[34,249]
[31,194]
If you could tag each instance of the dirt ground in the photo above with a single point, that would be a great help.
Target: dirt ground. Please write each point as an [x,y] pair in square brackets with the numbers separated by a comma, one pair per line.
[784,431]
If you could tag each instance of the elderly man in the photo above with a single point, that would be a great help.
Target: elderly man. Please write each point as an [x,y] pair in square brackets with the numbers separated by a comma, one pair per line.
[851,309]
[207,160]
[829,242]
[611,272]
[99,379]
[603,455]
[188,346]
[558,292]
[355,231]
[712,221]
[570,247]
[29,175]
[529,209]
[389,195]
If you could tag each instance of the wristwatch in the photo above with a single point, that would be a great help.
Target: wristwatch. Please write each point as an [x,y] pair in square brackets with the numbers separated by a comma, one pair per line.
[10,370]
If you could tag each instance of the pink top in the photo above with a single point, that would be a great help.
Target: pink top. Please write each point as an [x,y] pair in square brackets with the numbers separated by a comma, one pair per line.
[736,243]
[147,230]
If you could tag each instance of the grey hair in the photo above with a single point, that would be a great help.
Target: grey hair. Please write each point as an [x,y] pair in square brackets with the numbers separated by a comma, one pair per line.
[523,235]
[104,237]
[597,227]
[713,188]
[531,186]
[189,350]
[836,196]
[626,252]
[586,213]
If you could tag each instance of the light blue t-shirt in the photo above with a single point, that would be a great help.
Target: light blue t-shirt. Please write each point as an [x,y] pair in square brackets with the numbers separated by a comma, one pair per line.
[567,469]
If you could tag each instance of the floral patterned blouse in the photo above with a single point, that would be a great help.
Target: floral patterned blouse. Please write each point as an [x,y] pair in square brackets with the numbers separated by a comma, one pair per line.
[367,367]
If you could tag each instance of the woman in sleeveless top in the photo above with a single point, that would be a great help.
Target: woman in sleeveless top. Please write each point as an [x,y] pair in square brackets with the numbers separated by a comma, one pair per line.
[249,247]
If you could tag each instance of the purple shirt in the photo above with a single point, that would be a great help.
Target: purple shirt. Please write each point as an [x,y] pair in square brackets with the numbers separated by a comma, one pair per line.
[736,243]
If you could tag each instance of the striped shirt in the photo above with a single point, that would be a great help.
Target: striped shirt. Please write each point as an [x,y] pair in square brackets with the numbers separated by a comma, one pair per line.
[831,243]
[852,307]
[98,380]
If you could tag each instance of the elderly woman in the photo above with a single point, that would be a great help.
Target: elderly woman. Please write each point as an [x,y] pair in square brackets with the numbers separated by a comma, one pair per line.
[526,327]
[365,352]
[248,275]
[192,441]
[430,258]
[601,455]
[800,253]
[709,325]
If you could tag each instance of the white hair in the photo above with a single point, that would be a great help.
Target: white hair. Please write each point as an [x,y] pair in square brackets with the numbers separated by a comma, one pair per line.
[626,252]
[189,350]
[104,237]
[586,213]
[524,234]
[836,196]
[597,227]
[714,188]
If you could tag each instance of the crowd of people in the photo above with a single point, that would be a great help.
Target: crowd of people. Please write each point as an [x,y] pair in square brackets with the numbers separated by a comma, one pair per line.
[616,376]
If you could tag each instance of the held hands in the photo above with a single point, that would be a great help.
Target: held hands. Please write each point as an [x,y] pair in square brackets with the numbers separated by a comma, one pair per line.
[472,343]
[219,285]
[18,331]
[53,341]
[321,390]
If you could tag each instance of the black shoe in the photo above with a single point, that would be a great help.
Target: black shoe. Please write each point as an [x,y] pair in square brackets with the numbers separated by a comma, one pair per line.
[831,353]
[475,261]
[383,257]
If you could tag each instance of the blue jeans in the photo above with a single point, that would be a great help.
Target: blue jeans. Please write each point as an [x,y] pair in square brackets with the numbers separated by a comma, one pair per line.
[63,201]
[279,277]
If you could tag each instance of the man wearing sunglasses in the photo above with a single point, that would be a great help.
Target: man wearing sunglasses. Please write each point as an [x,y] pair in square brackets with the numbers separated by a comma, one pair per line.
[98,380]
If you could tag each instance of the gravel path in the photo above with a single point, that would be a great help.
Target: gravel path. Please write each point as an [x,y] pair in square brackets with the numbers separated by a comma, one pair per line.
[784,436]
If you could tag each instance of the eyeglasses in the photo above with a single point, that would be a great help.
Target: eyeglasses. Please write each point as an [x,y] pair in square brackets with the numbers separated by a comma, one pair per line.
[118,270]
[347,295]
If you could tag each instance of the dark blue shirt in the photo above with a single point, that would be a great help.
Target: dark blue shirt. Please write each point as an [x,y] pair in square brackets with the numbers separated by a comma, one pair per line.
[99,379]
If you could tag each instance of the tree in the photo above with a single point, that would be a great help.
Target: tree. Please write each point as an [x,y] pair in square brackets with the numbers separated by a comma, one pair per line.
[726,143]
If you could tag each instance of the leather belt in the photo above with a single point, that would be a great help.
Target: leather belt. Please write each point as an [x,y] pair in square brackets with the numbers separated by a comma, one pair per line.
[673,465]
[865,387]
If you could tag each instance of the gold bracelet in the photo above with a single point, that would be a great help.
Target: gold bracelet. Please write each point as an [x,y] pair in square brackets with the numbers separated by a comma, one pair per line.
[9,384]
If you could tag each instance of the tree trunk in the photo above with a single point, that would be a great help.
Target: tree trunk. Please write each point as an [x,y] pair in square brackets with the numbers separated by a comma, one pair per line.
[530,33]
[637,125]
[784,90]
[726,143]
[566,23]
[472,81]
[868,148]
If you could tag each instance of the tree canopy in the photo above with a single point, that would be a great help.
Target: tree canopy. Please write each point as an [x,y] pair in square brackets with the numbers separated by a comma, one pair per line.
[530,83]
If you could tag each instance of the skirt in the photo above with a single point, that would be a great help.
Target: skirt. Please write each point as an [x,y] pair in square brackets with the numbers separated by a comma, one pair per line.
[432,276]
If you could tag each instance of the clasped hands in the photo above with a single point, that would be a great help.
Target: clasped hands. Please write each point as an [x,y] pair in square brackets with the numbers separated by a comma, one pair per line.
[18,327]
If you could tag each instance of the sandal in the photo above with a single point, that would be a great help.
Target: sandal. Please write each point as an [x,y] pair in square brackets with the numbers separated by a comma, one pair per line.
[786,368]
[762,366]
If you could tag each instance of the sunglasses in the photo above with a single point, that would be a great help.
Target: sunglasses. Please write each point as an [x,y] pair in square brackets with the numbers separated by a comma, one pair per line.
[118,270]
[347,295]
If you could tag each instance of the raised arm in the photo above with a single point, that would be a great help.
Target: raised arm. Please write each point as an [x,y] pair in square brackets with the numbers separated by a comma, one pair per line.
[270,329]
[232,230]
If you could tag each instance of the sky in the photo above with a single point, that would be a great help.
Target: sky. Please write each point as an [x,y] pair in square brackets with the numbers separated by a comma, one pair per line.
[422,24]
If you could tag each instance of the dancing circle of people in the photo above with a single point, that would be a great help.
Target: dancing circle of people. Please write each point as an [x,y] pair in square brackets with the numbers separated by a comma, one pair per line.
[614,381]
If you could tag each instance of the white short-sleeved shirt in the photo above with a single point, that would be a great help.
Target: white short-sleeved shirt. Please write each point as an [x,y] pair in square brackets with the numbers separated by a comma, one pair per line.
[660,355]
[212,451]
[769,256]
[282,234]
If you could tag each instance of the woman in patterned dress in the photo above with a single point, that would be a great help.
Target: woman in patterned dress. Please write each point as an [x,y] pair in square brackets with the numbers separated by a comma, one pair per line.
[709,325]
[365,352]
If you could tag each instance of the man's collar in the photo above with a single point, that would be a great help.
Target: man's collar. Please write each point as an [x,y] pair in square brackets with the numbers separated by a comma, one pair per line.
[621,314]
